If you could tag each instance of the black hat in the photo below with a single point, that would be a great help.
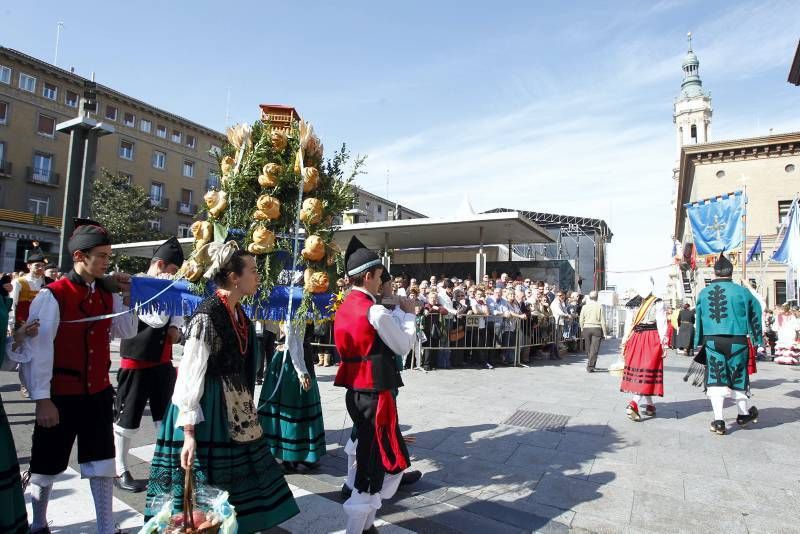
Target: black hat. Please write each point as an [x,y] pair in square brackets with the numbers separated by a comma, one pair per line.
[723,267]
[35,254]
[385,276]
[359,258]
[170,251]
[87,235]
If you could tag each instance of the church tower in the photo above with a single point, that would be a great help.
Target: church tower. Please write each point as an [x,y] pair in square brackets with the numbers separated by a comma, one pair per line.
[692,108]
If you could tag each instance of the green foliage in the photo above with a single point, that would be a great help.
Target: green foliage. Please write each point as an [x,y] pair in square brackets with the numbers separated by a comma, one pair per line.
[125,210]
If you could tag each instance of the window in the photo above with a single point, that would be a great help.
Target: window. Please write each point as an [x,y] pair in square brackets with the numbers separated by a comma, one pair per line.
[2,152]
[3,112]
[159,159]
[128,176]
[789,168]
[156,192]
[50,91]
[213,180]
[693,133]
[111,112]
[46,126]
[215,150]
[42,167]
[145,125]
[5,75]
[186,196]
[71,99]
[126,149]
[129,119]
[188,169]
[161,131]
[27,82]
[38,205]
[781,293]
[184,230]
[185,205]
[176,136]
[380,208]
[155,225]
[191,141]
[783,210]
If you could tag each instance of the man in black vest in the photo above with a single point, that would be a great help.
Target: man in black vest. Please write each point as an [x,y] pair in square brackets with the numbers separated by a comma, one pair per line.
[146,372]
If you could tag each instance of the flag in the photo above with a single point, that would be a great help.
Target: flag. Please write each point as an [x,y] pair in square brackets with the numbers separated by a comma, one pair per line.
[717,222]
[756,249]
[788,251]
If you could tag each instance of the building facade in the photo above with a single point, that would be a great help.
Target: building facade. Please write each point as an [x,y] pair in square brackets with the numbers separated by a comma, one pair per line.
[170,156]
[369,207]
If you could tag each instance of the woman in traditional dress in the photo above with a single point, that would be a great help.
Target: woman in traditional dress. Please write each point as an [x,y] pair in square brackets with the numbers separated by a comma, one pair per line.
[685,338]
[13,517]
[212,426]
[290,409]
[643,350]
[787,349]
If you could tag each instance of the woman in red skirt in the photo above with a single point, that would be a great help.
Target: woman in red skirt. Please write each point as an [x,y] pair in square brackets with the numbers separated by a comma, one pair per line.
[643,349]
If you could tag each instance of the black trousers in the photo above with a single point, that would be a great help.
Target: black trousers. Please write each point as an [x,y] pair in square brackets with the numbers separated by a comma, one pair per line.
[369,467]
[135,387]
[89,418]
[268,350]
[592,336]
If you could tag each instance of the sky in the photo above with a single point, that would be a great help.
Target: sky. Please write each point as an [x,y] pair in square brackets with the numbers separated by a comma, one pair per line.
[559,107]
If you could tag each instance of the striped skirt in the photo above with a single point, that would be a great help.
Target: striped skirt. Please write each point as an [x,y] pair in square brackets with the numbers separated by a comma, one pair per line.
[13,517]
[292,419]
[248,472]
[644,364]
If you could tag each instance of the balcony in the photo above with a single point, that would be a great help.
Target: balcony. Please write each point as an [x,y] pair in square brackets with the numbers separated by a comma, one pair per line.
[43,177]
[5,168]
[186,208]
[26,217]
[160,203]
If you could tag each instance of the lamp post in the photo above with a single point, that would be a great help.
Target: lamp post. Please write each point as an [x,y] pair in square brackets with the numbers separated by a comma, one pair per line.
[84,131]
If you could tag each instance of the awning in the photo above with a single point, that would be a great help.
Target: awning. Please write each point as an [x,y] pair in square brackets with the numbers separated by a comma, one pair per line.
[146,249]
[483,229]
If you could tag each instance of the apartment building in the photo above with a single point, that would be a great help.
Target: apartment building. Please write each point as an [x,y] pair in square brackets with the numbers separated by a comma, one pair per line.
[168,155]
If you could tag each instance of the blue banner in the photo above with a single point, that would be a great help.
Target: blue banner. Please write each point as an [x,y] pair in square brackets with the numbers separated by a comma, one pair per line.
[717,223]
[177,299]
[755,249]
[788,251]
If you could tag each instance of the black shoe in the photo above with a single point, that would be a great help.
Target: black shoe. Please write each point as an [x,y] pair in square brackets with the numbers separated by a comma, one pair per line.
[751,417]
[371,530]
[718,427]
[128,483]
[346,491]
[589,370]
[289,467]
[410,477]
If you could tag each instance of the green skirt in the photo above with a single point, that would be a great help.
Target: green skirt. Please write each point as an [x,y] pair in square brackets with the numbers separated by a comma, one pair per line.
[248,472]
[13,517]
[292,419]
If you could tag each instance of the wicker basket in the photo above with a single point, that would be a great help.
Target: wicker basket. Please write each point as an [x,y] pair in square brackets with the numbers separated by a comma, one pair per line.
[186,519]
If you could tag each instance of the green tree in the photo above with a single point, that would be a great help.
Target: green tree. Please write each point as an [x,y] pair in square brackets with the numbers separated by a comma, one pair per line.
[126,211]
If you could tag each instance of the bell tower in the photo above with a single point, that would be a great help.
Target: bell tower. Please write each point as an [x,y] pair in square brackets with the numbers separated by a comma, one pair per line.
[692,108]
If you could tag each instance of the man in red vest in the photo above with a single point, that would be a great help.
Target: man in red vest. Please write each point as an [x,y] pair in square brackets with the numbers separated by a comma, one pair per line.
[66,373]
[146,373]
[367,338]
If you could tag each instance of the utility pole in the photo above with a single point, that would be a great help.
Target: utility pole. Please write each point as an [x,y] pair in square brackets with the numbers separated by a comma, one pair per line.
[84,131]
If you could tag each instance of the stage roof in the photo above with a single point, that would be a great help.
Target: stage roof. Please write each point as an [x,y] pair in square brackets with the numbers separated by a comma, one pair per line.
[498,229]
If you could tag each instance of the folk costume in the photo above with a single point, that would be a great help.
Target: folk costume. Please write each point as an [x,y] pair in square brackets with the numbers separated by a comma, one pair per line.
[643,350]
[292,418]
[214,392]
[68,363]
[728,325]
[368,338]
[146,374]
[25,288]
[13,517]
[787,348]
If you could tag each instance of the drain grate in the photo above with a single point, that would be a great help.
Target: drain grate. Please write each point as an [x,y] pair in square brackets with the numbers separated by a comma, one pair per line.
[537,420]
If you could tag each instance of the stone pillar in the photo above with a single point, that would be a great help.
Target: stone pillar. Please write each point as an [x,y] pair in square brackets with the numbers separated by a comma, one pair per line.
[9,255]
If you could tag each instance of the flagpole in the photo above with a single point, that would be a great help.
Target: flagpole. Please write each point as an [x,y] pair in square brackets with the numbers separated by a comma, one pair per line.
[744,236]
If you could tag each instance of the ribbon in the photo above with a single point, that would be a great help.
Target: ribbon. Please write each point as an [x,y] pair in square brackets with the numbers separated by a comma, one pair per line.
[220,254]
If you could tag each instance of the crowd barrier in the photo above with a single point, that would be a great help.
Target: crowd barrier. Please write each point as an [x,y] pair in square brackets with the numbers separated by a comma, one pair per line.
[478,337]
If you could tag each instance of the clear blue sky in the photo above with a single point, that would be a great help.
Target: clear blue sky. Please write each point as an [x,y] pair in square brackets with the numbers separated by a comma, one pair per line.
[563,107]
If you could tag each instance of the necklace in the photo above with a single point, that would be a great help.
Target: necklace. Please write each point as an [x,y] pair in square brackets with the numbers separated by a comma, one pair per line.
[237,320]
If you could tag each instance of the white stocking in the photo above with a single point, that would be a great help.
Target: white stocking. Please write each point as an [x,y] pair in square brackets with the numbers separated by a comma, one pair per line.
[742,405]
[350,450]
[717,403]
[121,446]
[102,493]
[40,496]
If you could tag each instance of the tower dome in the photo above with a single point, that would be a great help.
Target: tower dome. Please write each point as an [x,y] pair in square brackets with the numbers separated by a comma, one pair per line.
[692,86]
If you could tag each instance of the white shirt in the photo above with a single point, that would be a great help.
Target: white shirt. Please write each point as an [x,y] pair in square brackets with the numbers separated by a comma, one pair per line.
[35,284]
[36,356]
[395,327]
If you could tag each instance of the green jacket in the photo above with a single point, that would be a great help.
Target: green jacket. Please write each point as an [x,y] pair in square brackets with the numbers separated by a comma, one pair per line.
[726,308]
